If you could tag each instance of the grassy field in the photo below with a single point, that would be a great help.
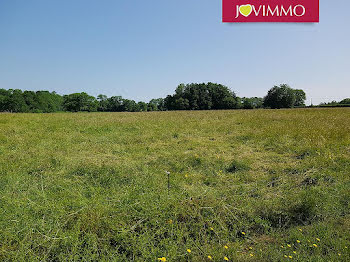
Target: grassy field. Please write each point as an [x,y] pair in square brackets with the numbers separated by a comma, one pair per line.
[259,185]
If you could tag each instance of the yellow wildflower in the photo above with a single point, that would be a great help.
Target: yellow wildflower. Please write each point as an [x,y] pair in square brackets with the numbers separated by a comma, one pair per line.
[318,239]
[282,246]
[314,245]
[212,229]
[300,230]
[163,259]
[290,256]
[189,250]
[186,175]
[209,257]
[289,245]
[170,221]
[251,255]
[250,248]
[298,241]
[226,258]
[243,233]
[226,246]
[339,254]
[285,256]
[294,252]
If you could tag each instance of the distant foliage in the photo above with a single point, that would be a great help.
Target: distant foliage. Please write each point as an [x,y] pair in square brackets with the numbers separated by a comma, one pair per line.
[119,104]
[194,96]
[343,103]
[252,103]
[300,98]
[156,105]
[284,96]
[201,97]
[29,101]
[80,102]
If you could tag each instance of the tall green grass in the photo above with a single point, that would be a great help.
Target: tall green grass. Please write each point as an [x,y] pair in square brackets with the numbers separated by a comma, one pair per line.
[270,185]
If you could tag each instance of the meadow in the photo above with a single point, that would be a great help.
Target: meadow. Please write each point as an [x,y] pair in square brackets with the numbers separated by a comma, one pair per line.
[244,185]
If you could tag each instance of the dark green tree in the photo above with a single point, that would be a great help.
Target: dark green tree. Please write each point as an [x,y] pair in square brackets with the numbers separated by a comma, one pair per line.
[102,103]
[142,106]
[252,102]
[47,102]
[16,102]
[222,97]
[300,97]
[156,105]
[115,104]
[4,100]
[201,97]
[345,101]
[80,102]
[280,97]
[130,105]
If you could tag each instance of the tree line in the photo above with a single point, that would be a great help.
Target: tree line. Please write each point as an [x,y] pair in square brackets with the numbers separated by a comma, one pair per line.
[194,96]
[343,103]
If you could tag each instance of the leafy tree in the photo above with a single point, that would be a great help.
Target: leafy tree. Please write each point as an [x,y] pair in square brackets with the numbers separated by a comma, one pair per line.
[30,100]
[115,104]
[142,106]
[169,102]
[102,103]
[80,102]
[130,106]
[280,97]
[4,100]
[16,102]
[201,97]
[156,105]
[252,102]
[222,97]
[47,102]
[300,97]
[332,103]
[345,101]
[184,104]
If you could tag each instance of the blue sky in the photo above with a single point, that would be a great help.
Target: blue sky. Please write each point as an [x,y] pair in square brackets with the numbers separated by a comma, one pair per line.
[144,49]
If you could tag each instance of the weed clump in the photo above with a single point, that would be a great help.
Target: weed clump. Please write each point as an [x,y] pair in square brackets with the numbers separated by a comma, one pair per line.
[237,166]
[298,210]
[309,181]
